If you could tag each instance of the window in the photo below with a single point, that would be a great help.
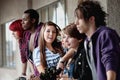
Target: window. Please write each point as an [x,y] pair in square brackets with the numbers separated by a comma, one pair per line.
[9,47]
[54,12]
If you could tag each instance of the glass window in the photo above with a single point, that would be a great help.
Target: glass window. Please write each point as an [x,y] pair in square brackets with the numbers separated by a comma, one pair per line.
[9,47]
[54,12]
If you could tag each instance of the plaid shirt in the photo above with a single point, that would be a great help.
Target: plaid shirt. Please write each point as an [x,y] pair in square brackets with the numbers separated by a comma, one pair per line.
[23,44]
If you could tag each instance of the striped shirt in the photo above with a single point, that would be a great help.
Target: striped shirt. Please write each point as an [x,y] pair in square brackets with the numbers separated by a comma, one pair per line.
[51,58]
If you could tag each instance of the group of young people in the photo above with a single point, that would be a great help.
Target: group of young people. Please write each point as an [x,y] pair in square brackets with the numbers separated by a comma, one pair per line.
[88,37]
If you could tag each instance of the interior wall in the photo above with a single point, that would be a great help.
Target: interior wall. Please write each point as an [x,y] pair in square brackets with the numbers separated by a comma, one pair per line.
[70,8]
[40,3]
[114,14]
[11,9]
[0,47]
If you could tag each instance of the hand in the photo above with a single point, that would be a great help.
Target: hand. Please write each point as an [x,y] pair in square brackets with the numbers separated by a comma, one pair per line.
[30,76]
[60,65]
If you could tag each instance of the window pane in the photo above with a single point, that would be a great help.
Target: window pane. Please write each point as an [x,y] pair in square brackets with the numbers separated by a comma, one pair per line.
[52,13]
[44,15]
[61,14]
[9,60]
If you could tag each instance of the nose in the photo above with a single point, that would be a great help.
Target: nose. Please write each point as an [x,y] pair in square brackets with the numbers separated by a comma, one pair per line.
[22,22]
[12,33]
[66,39]
[51,33]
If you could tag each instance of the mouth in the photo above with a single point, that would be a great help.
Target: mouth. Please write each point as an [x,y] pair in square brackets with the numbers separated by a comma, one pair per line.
[50,38]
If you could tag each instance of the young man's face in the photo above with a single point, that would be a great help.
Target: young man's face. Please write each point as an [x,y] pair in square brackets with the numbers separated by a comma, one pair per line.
[26,22]
[81,24]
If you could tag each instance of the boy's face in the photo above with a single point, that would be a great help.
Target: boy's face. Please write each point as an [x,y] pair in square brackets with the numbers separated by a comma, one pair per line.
[26,22]
[82,25]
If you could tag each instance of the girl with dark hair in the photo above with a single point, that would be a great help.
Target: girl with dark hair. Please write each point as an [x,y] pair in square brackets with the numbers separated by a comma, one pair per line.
[74,41]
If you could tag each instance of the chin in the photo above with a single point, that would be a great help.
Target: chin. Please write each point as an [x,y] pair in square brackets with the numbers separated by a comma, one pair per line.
[80,31]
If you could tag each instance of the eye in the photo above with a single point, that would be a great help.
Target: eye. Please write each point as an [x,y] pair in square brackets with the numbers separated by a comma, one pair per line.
[54,31]
[48,31]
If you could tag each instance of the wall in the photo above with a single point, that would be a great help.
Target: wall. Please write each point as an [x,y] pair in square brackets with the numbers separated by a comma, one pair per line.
[11,9]
[70,8]
[40,3]
[114,14]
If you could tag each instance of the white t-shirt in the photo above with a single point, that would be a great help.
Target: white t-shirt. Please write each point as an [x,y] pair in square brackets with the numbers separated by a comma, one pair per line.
[51,58]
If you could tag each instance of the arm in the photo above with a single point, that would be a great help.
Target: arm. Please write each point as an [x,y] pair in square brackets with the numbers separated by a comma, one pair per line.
[66,57]
[24,67]
[111,75]
[40,68]
[110,56]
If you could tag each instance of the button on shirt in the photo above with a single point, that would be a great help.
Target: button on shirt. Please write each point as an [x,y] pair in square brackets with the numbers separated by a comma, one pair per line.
[51,58]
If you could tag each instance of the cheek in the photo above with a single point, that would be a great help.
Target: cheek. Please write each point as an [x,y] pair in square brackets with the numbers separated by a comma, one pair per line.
[70,41]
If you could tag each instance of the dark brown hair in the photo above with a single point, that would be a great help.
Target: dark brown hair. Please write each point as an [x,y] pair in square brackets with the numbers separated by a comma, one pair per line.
[92,8]
[33,15]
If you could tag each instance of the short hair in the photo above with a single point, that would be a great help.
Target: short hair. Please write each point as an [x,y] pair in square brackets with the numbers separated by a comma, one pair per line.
[92,8]
[33,15]
[17,26]
[72,31]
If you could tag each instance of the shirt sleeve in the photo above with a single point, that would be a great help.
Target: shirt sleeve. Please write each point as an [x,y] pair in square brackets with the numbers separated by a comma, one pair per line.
[36,56]
[22,48]
[110,50]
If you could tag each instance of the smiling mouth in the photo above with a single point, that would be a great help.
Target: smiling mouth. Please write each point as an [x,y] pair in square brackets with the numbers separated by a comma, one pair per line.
[50,38]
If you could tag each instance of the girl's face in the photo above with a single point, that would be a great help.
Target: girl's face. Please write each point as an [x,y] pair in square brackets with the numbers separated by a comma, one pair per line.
[63,39]
[49,34]
[71,42]
[15,34]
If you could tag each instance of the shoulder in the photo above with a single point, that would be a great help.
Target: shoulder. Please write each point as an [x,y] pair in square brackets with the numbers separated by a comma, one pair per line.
[36,52]
[39,26]
[106,32]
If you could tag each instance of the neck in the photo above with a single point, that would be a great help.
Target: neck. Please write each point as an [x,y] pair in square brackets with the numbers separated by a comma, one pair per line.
[91,31]
[49,46]
[32,30]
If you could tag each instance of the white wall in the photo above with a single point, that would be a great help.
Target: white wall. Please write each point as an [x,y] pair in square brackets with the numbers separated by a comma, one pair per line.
[11,9]
[40,3]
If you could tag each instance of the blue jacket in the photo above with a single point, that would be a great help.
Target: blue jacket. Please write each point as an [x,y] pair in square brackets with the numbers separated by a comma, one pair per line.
[106,52]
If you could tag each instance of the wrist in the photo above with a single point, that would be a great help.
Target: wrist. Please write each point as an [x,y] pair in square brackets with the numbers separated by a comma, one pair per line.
[24,74]
[62,61]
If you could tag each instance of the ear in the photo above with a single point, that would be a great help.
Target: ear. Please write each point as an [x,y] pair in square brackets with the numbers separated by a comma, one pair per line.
[80,40]
[33,20]
[92,19]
